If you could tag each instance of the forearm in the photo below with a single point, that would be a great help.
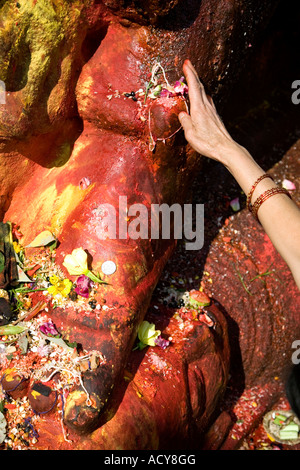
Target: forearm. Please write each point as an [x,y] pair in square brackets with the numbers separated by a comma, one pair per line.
[206,133]
[279,215]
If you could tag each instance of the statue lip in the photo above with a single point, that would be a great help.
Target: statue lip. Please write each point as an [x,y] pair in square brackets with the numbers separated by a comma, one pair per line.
[163,122]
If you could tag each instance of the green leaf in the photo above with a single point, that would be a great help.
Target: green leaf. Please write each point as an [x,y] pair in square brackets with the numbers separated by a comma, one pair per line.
[11,330]
[25,290]
[281,417]
[140,346]
[277,421]
[94,278]
[52,245]
[2,262]
[71,345]
[58,341]
[157,90]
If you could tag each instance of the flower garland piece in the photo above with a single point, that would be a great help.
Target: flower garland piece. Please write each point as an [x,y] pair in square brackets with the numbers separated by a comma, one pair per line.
[198,299]
[48,328]
[83,285]
[76,264]
[59,286]
[147,335]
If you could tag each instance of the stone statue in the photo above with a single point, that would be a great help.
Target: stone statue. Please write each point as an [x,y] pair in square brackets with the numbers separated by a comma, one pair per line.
[78,130]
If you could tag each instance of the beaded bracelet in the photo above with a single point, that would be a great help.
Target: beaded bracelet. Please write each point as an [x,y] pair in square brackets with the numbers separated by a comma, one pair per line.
[249,197]
[266,195]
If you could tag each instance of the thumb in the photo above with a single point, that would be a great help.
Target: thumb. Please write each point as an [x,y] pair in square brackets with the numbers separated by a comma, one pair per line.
[185,120]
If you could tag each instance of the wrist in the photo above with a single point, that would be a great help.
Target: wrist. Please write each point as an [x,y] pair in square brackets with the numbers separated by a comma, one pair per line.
[233,155]
[242,166]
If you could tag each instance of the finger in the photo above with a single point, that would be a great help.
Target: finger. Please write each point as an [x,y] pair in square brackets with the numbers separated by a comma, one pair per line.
[192,77]
[186,121]
[191,71]
[190,68]
[188,64]
[196,88]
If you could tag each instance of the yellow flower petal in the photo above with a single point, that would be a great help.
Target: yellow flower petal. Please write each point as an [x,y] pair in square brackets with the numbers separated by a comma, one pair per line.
[147,333]
[17,247]
[81,256]
[52,290]
[76,263]
[54,279]
[66,287]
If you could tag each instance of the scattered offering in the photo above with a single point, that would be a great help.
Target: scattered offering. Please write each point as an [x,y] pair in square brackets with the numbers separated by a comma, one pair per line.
[108,268]
[39,364]
[282,426]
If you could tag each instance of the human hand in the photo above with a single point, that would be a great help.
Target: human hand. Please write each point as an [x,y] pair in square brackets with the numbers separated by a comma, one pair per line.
[203,128]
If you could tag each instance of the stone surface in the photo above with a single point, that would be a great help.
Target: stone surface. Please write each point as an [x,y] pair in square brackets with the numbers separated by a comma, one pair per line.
[259,297]
[256,289]
[150,378]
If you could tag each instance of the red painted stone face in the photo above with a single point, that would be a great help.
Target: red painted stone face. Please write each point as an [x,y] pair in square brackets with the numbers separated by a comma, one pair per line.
[76,124]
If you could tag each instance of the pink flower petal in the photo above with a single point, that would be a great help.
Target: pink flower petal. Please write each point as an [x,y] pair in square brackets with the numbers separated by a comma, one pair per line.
[163,343]
[83,284]
[166,93]
[84,183]
[48,328]
[235,204]
[289,185]
[180,87]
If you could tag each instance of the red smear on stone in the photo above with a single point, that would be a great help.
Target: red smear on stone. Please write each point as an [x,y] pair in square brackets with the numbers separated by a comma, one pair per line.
[163,117]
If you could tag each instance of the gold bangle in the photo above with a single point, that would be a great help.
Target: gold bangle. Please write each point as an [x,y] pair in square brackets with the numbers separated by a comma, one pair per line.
[249,197]
[266,195]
